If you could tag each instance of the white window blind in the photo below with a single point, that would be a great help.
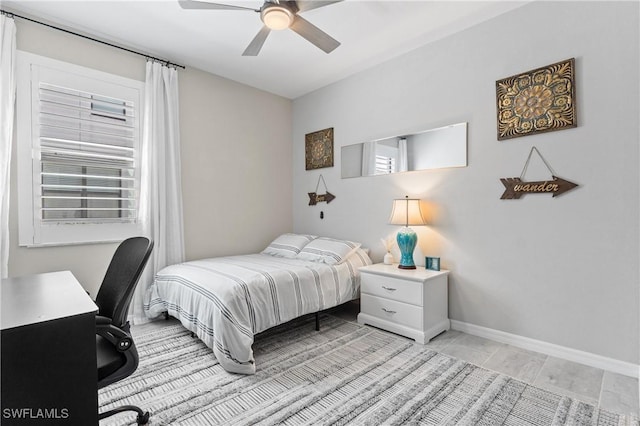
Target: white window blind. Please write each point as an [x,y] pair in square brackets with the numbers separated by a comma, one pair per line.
[385,165]
[87,157]
[79,180]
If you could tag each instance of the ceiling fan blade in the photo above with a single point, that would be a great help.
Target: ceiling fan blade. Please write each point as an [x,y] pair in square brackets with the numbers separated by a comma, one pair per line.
[314,34]
[256,44]
[194,4]
[303,6]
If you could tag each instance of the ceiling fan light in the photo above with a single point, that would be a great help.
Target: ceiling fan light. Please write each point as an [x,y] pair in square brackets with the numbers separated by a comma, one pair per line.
[277,17]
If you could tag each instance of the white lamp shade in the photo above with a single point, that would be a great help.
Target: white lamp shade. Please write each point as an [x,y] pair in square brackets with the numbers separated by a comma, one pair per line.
[407,212]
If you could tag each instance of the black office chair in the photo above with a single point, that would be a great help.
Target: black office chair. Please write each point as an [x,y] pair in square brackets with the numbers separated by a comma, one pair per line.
[116,353]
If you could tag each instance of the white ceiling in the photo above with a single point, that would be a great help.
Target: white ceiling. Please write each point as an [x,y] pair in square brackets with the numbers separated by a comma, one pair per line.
[371,32]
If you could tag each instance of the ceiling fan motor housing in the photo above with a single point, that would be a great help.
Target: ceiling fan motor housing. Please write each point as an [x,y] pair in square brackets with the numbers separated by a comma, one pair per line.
[278,16]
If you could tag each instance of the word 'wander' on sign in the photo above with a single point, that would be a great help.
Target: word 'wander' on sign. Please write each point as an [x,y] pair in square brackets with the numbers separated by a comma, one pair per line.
[516,188]
[320,198]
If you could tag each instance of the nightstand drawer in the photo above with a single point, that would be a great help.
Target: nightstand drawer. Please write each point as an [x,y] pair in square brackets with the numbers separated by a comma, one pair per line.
[392,288]
[391,310]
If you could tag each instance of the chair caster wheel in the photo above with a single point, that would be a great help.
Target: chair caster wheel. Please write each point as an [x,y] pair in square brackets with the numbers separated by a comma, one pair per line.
[143,419]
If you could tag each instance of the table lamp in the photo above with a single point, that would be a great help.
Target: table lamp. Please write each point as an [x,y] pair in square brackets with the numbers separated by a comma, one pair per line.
[406,212]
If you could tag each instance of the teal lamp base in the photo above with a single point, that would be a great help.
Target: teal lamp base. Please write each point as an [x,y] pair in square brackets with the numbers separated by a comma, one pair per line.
[407,240]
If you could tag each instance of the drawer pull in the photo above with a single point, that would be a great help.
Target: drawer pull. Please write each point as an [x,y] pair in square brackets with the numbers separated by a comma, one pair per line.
[389,312]
[389,288]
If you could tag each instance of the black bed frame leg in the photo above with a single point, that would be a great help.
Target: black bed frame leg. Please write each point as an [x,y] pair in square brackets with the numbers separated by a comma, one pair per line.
[166,315]
[317,321]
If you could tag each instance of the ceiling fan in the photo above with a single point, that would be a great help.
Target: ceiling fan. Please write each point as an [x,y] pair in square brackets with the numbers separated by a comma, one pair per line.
[278,15]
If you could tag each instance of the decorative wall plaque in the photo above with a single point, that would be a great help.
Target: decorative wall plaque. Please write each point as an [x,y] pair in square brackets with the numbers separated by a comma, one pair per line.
[516,187]
[318,149]
[315,198]
[540,100]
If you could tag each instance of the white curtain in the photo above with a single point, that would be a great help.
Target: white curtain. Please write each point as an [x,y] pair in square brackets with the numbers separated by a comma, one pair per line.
[369,159]
[161,192]
[403,163]
[7,111]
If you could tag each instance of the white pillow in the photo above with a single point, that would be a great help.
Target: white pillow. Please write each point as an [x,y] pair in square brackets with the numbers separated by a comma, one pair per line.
[288,245]
[328,250]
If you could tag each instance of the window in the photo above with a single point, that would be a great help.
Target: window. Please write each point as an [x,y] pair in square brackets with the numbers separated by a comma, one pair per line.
[78,153]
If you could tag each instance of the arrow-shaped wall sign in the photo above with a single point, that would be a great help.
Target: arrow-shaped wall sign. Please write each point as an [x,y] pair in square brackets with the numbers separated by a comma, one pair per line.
[315,198]
[516,187]
[319,198]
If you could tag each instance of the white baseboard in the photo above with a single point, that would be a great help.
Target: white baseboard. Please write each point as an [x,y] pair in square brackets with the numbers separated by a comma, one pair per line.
[586,358]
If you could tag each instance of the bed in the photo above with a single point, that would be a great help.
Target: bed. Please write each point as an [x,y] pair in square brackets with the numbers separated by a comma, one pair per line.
[225,301]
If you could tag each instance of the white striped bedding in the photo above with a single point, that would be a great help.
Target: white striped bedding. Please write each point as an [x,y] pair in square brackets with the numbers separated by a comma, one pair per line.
[225,301]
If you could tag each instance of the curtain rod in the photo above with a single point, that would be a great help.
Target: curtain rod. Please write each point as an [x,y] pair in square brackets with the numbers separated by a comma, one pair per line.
[168,63]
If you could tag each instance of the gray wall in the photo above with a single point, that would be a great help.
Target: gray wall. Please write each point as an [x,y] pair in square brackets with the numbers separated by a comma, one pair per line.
[236,162]
[561,270]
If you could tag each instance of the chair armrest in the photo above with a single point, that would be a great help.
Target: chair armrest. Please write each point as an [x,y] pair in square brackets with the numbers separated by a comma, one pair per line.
[100,320]
[116,336]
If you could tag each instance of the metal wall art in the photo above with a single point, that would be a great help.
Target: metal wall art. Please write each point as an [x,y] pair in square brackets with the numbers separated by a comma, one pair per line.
[318,149]
[540,100]
[515,187]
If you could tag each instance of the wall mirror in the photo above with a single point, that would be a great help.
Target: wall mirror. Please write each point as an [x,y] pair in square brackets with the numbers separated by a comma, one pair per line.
[430,149]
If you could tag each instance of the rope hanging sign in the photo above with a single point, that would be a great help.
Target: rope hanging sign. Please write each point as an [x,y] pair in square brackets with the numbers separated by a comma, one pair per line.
[516,187]
[315,198]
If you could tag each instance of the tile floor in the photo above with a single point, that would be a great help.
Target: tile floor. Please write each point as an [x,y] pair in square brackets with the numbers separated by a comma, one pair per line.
[610,391]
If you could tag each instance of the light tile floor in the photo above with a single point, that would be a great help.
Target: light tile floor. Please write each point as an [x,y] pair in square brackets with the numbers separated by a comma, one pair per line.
[608,390]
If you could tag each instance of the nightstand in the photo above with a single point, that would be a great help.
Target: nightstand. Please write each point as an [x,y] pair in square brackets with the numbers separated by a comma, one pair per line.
[410,302]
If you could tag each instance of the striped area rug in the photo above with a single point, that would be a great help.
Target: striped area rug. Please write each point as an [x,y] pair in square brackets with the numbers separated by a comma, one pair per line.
[346,374]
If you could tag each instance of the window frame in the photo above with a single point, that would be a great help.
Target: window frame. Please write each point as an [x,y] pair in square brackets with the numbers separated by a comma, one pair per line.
[32,230]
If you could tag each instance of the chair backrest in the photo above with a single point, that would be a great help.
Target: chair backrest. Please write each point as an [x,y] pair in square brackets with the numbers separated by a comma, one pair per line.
[121,278]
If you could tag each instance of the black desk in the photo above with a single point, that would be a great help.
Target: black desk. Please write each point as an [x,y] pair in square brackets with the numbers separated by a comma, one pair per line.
[48,352]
